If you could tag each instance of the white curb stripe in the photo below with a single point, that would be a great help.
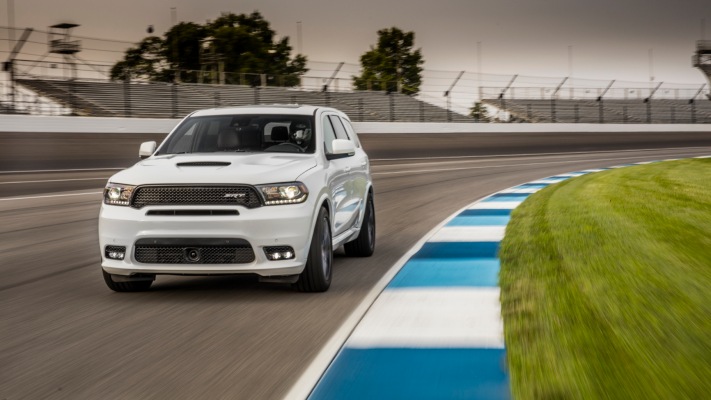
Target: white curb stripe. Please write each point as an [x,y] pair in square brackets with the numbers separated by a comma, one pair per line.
[432,318]
[548,181]
[469,234]
[495,205]
[525,191]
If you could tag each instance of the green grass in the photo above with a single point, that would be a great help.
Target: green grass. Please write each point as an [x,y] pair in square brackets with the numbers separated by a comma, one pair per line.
[606,286]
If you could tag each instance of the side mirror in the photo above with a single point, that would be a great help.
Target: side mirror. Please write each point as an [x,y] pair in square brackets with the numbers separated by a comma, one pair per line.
[341,148]
[147,149]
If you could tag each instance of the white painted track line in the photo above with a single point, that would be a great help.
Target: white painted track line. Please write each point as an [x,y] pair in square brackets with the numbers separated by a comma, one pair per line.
[48,196]
[36,171]
[55,180]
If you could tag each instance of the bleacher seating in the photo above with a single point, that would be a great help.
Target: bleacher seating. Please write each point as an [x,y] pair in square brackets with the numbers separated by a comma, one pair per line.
[613,110]
[161,100]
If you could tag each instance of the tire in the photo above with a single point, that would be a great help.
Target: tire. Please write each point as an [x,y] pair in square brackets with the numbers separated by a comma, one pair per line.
[130,286]
[316,276]
[364,244]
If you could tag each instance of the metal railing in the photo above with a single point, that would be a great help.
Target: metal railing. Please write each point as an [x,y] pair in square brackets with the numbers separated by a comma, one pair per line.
[181,97]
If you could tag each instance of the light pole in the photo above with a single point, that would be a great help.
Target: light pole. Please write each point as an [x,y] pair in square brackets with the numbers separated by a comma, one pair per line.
[570,71]
[298,37]
[478,68]
[703,28]
[11,24]
[651,69]
[173,22]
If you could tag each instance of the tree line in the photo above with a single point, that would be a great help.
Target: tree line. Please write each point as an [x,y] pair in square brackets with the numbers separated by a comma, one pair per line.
[244,49]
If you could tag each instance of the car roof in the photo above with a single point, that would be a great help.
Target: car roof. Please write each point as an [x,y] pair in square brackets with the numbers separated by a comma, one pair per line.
[289,109]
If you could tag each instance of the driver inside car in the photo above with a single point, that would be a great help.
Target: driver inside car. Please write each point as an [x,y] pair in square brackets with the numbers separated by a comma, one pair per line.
[299,134]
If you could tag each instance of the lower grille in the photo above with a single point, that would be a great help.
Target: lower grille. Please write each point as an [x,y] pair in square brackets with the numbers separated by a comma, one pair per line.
[193,251]
[192,212]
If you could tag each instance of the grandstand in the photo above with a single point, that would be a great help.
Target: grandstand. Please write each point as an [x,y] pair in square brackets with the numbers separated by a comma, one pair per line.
[78,87]
[166,100]
[161,100]
[635,104]
[75,86]
[617,111]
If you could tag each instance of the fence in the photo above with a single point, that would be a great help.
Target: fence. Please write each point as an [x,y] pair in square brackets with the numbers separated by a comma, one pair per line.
[454,91]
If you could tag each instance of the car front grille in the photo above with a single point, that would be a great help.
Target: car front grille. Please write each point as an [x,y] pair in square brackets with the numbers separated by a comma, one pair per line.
[193,251]
[242,195]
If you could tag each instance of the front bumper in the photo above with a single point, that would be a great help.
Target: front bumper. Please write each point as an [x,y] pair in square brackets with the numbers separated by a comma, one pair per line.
[283,225]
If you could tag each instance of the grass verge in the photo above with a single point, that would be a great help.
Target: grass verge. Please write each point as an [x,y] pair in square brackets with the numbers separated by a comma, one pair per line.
[606,286]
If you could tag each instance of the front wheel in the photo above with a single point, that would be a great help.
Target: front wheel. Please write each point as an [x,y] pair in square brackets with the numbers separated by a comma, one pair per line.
[316,276]
[364,244]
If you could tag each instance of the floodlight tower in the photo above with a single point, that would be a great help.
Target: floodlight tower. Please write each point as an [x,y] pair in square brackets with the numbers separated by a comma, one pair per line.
[60,42]
[702,59]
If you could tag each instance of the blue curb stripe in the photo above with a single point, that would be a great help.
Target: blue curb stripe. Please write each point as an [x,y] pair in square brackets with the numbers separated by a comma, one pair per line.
[455,373]
[465,272]
[480,220]
[502,196]
[449,250]
[507,197]
[483,211]
[531,186]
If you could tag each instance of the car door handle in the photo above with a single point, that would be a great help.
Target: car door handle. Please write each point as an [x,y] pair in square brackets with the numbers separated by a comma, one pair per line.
[363,164]
[348,169]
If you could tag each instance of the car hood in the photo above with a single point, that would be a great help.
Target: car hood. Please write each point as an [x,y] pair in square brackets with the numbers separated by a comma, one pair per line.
[240,168]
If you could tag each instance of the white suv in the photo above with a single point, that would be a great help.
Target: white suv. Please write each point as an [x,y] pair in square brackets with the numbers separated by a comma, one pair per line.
[265,190]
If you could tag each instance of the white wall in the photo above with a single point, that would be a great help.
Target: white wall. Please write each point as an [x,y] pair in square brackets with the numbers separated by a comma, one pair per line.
[437,127]
[26,123]
[23,123]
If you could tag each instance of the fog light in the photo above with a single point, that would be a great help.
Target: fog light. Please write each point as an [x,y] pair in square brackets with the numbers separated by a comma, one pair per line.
[275,253]
[115,252]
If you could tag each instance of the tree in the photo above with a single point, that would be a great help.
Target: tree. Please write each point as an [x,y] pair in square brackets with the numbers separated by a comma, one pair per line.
[248,47]
[182,49]
[243,44]
[480,113]
[393,65]
[145,61]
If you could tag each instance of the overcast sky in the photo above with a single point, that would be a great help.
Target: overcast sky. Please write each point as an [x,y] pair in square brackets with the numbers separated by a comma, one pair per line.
[610,39]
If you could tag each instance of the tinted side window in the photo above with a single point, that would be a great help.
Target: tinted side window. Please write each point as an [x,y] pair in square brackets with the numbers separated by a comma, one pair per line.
[328,135]
[351,132]
[338,126]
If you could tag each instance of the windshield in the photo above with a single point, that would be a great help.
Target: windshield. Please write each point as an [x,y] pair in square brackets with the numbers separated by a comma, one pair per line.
[242,133]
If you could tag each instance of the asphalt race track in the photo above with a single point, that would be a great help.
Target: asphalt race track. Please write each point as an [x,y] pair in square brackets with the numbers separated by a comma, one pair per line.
[64,335]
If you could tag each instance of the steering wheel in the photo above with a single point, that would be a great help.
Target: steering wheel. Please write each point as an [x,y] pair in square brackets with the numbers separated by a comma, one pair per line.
[296,146]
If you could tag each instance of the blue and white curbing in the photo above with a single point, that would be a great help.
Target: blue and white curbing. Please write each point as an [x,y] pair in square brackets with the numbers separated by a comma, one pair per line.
[435,331]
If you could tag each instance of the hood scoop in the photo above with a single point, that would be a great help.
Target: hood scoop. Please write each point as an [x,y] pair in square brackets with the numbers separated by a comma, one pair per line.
[204,164]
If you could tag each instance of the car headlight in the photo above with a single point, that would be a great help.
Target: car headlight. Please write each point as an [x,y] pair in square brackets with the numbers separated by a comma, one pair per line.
[117,194]
[284,193]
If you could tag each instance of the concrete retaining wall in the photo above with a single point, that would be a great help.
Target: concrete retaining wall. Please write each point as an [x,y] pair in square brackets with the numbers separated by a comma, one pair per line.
[23,123]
